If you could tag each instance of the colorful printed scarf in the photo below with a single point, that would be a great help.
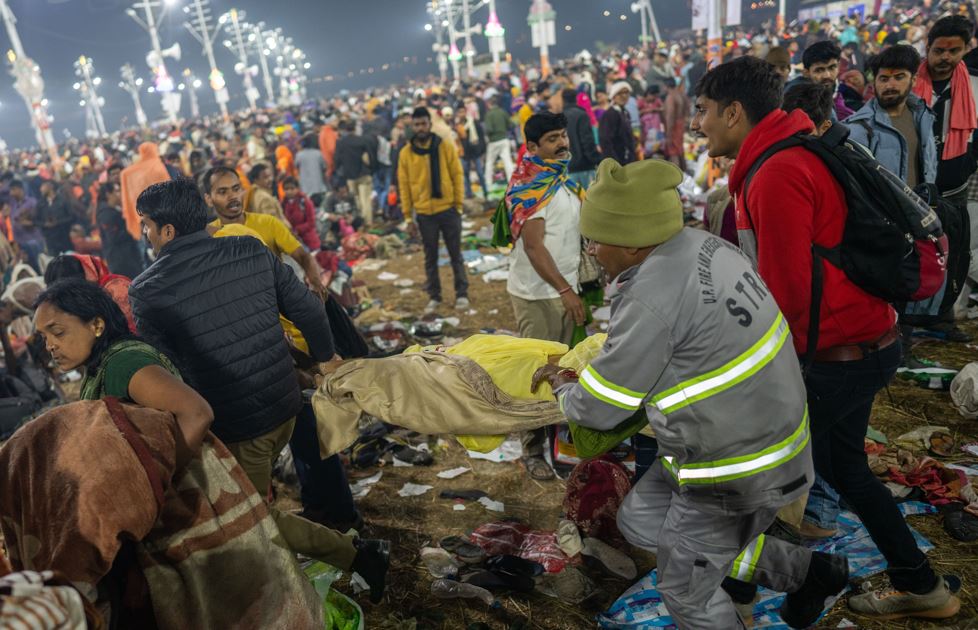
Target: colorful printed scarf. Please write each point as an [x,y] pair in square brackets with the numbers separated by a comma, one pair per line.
[532,186]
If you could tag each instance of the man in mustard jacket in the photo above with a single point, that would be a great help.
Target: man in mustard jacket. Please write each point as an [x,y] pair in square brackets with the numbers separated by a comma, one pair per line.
[429,178]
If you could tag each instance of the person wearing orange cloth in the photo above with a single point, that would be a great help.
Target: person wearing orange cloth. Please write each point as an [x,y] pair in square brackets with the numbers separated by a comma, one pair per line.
[136,178]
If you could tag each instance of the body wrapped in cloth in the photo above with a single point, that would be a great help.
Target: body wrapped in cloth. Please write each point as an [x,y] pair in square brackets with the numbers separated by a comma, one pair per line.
[477,390]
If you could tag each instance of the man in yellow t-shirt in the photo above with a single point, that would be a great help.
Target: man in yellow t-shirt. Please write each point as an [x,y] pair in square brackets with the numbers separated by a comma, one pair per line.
[223,192]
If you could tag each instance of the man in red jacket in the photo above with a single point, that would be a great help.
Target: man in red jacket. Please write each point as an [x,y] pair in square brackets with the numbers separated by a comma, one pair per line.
[792,203]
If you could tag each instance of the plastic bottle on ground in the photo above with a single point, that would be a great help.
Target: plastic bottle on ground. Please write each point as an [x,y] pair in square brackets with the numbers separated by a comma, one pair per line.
[448,589]
[439,562]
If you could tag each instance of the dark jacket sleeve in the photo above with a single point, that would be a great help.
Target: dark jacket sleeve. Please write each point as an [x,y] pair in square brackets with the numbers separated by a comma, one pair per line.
[589,149]
[303,309]
[607,133]
[147,327]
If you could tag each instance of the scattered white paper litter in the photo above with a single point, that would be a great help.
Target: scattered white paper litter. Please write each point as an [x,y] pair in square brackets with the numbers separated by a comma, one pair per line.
[403,282]
[398,463]
[358,583]
[970,448]
[510,450]
[386,276]
[453,473]
[845,623]
[362,487]
[458,507]
[495,506]
[413,489]
[406,291]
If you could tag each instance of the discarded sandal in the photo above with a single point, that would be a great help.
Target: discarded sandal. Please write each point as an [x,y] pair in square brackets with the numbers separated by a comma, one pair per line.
[610,559]
[467,552]
[514,565]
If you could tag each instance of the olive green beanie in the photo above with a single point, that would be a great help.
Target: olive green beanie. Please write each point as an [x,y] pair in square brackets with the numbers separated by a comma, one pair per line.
[633,206]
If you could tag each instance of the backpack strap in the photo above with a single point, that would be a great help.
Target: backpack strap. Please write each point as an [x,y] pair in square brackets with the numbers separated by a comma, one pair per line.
[815,307]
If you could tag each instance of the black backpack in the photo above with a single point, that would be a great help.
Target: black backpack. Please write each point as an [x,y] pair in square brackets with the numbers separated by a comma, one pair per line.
[892,245]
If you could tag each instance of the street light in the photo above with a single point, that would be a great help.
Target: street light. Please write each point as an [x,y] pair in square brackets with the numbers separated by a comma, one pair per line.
[29,84]
[232,21]
[132,84]
[94,122]
[203,30]
[155,60]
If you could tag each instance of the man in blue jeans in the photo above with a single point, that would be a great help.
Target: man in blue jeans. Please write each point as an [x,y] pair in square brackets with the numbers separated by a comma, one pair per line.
[858,345]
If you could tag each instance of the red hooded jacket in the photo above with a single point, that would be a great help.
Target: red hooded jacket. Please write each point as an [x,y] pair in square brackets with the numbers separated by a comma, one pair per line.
[794,201]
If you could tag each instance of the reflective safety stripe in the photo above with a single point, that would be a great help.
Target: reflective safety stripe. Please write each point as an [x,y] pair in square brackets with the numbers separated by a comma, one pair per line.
[744,466]
[725,377]
[746,562]
[606,391]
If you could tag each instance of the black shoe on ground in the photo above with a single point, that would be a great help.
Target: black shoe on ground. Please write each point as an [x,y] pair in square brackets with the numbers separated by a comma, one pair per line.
[828,575]
[372,561]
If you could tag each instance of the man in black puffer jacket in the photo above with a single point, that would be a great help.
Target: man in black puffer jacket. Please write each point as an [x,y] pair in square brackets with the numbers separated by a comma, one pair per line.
[213,306]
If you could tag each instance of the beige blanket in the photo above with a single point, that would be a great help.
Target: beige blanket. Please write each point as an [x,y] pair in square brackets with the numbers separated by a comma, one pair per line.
[429,392]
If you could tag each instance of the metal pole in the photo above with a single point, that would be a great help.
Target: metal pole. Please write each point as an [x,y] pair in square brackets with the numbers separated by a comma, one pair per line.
[265,74]
[782,15]
[469,48]
[206,37]
[714,35]
[494,47]
[29,84]
[243,58]
[654,22]
[132,85]
[84,66]
[451,40]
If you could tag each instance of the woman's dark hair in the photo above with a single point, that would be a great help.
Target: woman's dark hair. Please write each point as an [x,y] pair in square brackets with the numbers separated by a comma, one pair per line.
[539,125]
[750,81]
[86,301]
[105,190]
[63,267]
[310,141]
[290,181]
[952,26]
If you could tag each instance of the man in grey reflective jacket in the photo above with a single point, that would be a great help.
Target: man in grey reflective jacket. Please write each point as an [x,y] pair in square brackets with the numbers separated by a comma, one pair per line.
[697,341]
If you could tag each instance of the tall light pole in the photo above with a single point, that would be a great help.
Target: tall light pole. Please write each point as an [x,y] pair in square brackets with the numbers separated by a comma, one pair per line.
[163,82]
[438,25]
[232,25]
[190,84]
[495,33]
[133,84]
[782,11]
[469,50]
[647,16]
[29,84]
[256,38]
[91,101]
[453,53]
[543,31]
[200,24]
[714,34]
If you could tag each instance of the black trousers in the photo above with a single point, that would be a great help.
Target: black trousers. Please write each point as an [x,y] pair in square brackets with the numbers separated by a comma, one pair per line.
[448,225]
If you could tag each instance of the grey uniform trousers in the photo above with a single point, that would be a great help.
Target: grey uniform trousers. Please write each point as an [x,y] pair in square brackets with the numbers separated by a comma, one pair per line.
[696,549]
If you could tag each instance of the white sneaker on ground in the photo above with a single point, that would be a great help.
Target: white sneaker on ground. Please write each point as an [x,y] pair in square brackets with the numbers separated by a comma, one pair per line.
[431,307]
[462,304]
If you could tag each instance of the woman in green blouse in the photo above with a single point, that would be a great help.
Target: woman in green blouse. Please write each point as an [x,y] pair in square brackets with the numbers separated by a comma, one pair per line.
[84,329]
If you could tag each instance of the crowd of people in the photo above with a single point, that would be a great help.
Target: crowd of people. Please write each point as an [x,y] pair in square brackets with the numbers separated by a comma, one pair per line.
[199,269]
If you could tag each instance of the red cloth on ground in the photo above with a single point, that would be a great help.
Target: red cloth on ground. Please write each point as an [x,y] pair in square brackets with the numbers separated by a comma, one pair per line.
[595,490]
[517,539]
[941,485]
[794,201]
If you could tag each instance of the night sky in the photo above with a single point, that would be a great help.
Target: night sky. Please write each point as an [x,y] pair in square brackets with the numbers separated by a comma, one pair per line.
[337,35]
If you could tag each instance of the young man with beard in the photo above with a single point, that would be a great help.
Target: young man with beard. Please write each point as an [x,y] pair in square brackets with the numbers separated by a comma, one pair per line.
[897,126]
[943,83]
[545,206]
[429,179]
[858,350]
[820,63]
[223,192]
[213,304]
